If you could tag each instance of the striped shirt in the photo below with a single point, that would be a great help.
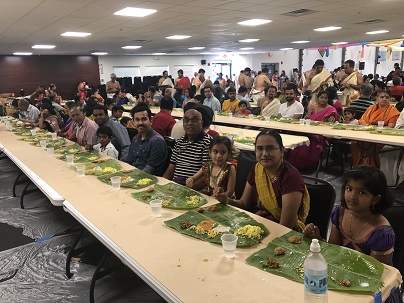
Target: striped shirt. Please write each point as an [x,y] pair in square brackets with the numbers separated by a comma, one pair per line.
[188,157]
[360,106]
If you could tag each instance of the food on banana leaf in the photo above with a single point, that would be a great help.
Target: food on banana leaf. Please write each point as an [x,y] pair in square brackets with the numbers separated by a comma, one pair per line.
[271,263]
[212,208]
[192,200]
[200,210]
[144,181]
[185,224]
[295,239]
[250,231]
[166,203]
[279,251]
[206,224]
[345,283]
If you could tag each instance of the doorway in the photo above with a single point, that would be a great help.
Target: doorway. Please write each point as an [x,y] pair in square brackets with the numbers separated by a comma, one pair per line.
[220,67]
[272,67]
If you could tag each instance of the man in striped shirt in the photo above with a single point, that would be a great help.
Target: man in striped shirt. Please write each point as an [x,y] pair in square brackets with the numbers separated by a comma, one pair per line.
[190,151]
[363,102]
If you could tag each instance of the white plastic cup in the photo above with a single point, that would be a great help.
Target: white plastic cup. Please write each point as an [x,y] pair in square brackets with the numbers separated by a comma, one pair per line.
[380,124]
[116,182]
[51,151]
[267,118]
[33,132]
[70,159]
[229,243]
[230,115]
[80,170]
[8,125]
[302,121]
[54,136]
[308,122]
[43,144]
[251,116]
[155,206]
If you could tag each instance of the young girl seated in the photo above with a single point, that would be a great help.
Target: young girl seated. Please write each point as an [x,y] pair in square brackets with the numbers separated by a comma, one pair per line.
[349,116]
[218,173]
[104,146]
[243,109]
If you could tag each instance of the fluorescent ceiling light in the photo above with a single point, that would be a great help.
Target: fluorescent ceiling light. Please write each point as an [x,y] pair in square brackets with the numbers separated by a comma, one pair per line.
[248,40]
[131,47]
[286,48]
[75,34]
[246,48]
[254,22]
[99,53]
[377,32]
[301,41]
[208,53]
[196,47]
[40,46]
[339,43]
[327,29]
[22,54]
[178,37]
[158,54]
[135,12]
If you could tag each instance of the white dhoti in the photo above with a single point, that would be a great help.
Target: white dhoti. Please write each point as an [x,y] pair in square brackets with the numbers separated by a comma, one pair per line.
[256,94]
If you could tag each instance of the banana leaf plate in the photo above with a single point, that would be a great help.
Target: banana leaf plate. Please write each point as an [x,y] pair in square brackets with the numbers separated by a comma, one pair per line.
[174,196]
[102,167]
[29,138]
[226,220]
[389,131]
[83,156]
[136,179]
[363,272]
[354,127]
[71,149]
[50,143]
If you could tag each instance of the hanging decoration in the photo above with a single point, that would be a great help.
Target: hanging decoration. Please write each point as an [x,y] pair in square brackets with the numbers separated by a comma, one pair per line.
[322,52]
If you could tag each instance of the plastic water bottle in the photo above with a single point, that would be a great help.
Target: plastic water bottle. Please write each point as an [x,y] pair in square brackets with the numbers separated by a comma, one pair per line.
[315,275]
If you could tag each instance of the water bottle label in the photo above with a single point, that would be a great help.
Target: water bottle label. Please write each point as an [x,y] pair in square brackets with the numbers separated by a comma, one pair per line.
[315,284]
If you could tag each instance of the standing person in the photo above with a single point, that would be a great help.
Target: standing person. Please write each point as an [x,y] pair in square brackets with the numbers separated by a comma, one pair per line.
[112,86]
[271,106]
[120,134]
[351,82]
[86,129]
[282,78]
[182,81]
[243,79]
[165,82]
[222,82]
[275,79]
[260,83]
[319,80]
[104,146]
[292,108]
[274,189]
[148,150]
[231,105]
[81,89]
[163,122]
[218,173]
[210,100]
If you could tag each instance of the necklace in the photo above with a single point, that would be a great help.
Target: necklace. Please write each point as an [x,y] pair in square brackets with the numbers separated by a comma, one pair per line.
[350,226]
[276,176]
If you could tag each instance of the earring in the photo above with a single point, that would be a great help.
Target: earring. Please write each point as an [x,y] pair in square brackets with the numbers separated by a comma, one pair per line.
[373,207]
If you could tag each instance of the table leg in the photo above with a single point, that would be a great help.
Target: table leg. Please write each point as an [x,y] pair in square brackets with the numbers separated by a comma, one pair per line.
[71,251]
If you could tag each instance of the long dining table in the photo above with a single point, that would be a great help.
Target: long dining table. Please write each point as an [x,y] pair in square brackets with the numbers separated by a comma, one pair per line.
[178,267]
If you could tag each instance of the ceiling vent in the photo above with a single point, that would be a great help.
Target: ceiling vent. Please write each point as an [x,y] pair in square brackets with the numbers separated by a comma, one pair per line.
[141,41]
[300,12]
[374,21]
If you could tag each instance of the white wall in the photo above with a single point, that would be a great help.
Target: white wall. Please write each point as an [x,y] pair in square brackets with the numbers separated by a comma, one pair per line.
[354,53]
[385,67]
[330,63]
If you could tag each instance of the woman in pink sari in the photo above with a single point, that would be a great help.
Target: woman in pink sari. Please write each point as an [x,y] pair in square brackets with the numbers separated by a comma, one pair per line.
[322,111]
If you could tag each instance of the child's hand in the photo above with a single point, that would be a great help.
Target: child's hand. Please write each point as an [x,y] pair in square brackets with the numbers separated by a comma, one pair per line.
[220,195]
[189,182]
[312,231]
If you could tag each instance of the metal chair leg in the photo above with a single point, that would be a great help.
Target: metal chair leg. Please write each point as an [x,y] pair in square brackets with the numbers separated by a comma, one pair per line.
[17,182]
[71,251]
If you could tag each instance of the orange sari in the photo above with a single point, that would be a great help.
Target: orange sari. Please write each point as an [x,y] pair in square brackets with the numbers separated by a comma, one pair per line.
[364,153]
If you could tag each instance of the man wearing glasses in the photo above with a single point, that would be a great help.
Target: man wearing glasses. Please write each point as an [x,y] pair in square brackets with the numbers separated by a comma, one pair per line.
[190,151]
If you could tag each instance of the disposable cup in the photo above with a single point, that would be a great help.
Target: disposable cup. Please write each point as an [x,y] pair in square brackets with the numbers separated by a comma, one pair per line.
[251,116]
[380,124]
[302,121]
[229,243]
[268,118]
[230,138]
[70,159]
[155,206]
[80,170]
[43,144]
[50,151]
[116,182]
[54,136]
[308,122]
[8,125]
[230,115]
[33,132]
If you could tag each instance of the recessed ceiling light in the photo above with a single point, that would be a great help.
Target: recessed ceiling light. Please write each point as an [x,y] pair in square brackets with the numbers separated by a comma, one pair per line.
[131,47]
[327,29]
[75,34]
[208,53]
[301,41]
[246,48]
[196,47]
[22,54]
[339,43]
[99,53]
[135,12]
[286,48]
[254,22]
[248,40]
[178,37]
[40,46]
[377,32]
[158,54]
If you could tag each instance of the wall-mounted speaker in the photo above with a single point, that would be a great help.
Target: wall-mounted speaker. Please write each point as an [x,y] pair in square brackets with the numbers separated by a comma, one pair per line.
[203,62]
[361,65]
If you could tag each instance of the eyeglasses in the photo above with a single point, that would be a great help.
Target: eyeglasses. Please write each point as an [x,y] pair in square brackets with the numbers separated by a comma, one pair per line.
[269,149]
[192,120]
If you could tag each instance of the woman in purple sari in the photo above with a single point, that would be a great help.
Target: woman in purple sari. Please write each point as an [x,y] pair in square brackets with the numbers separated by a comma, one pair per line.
[322,111]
